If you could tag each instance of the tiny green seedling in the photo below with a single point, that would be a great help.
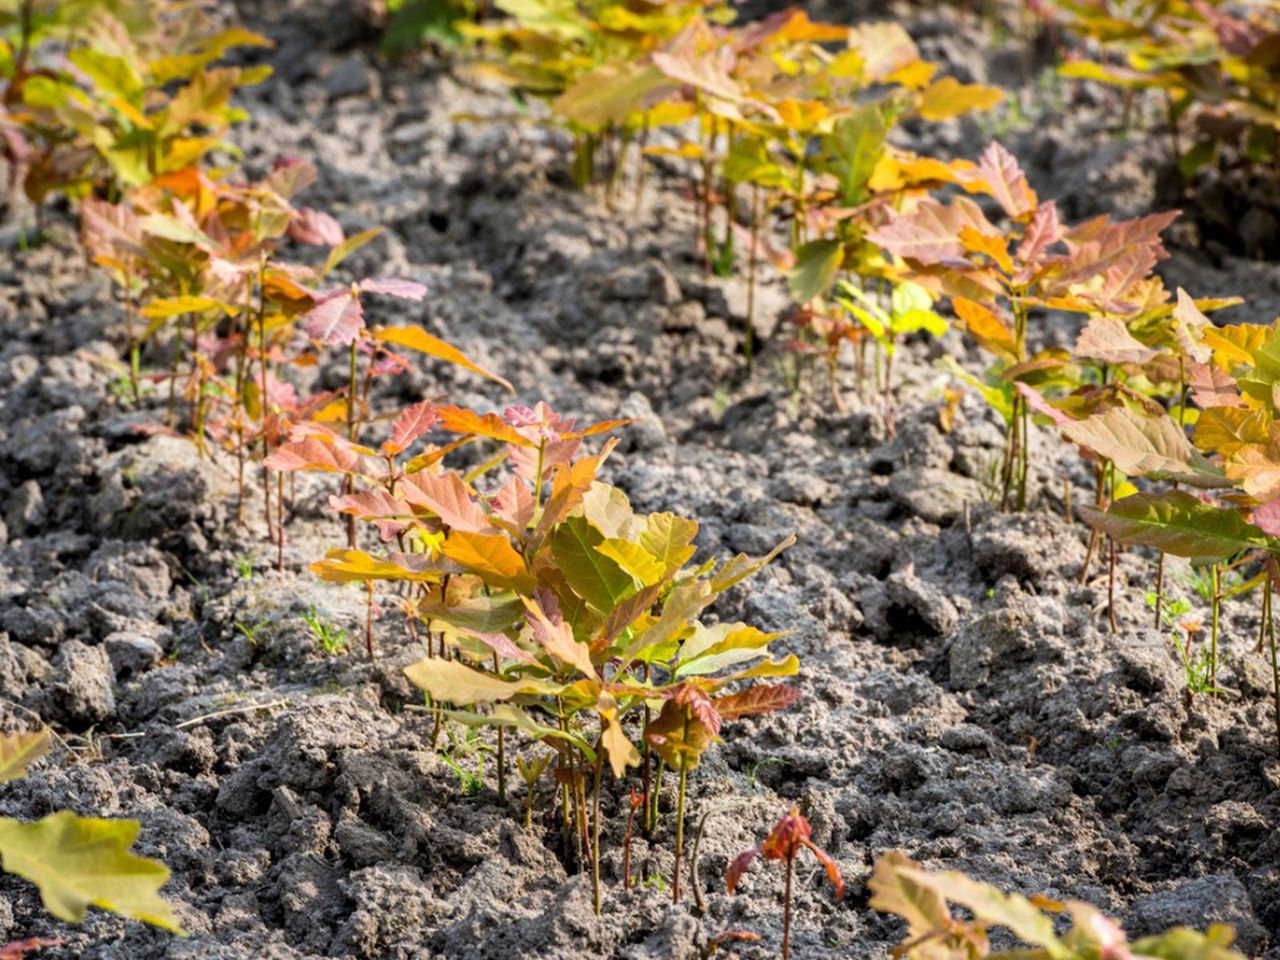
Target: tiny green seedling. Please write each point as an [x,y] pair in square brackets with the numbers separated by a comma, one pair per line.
[250,631]
[326,635]
[244,566]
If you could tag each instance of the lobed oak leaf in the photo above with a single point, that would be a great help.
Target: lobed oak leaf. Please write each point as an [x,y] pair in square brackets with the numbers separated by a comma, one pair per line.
[898,888]
[336,320]
[1211,387]
[764,698]
[555,636]
[986,327]
[1145,446]
[999,176]
[315,227]
[449,497]
[948,97]
[1176,522]
[931,233]
[1042,232]
[1107,339]
[78,862]
[316,453]
[412,423]
[490,557]
[356,566]
[449,681]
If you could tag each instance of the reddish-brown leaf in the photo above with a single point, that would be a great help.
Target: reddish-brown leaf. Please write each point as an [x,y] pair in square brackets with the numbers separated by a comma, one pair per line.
[931,233]
[999,176]
[738,867]
[753,701]
[336,319]
[314,453]
[449,497]
[412,423]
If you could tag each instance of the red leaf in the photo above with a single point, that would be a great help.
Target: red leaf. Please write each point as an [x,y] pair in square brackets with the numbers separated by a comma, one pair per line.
[833,871]
[17,949]
[754,701]
[1037,402]
[404,289]
[1212,387]
[739,867]
[312,453]
[316,227]
[1000,176]
[1267,518]
[412,423]
[1042,232]
[335,320]
[449,498]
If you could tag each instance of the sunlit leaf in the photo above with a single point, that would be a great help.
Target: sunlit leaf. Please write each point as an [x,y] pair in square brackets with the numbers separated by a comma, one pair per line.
[78,862]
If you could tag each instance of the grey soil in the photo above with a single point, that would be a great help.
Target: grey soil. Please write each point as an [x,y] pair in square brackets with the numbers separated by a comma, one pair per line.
[963,699]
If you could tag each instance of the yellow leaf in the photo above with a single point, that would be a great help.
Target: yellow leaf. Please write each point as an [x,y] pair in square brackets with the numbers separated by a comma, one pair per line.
[78,862]
[622,752]
[19,750]
[995,247]
[991,332]
[415,338]
[489,556]
[449,681]
[356,566]
[949,98]
[175,306]
[633,559]
[914,75]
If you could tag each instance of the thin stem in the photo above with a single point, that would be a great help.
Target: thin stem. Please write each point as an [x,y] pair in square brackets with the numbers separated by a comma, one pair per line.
[626,845]
[675,879]
[262,397]
[786,911]
[1159,589]
[279,521]
[537,481]
[502,753]
[595,829]
[1213,636]
[1275,665]
[748,345]
[353,386]
[657,793]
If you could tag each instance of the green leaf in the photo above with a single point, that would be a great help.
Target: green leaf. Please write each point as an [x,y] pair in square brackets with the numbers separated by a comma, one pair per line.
[633,559]
[854,146]
[592,575]
[1183,943]
[710,649]
[509,715]
[78,862]
[348,247]
[1176,522]
[817,263]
